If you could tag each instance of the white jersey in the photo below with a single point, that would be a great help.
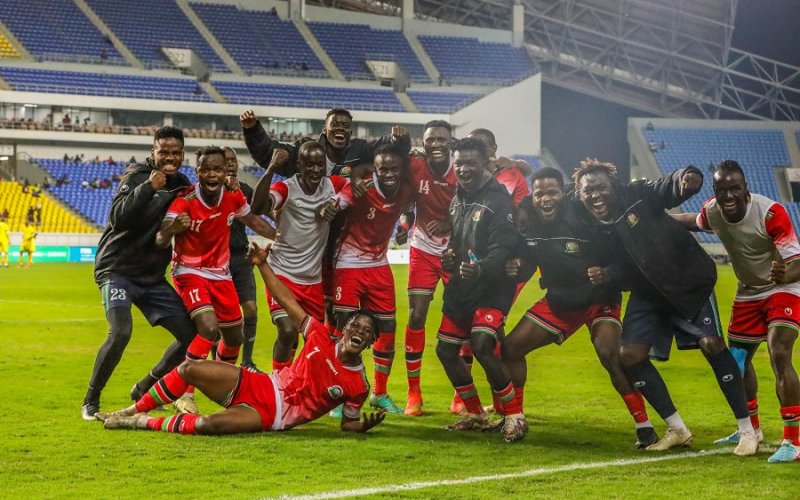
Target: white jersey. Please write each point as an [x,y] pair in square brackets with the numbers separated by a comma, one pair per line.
[764,234]
[300,242]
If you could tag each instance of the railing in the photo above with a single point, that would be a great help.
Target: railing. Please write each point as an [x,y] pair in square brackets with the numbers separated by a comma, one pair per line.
[114,60]
[93,128]
[107,92]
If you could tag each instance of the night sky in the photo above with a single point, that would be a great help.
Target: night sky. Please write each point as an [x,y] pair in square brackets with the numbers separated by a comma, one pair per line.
[575,126]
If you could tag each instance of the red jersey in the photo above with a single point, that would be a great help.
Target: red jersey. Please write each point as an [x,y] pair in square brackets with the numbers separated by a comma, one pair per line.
[516,184]
[370,224]
[203,249]
[432,197]
[317,381]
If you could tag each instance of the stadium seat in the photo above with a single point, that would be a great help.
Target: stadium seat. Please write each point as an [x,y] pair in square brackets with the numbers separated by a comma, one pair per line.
[55,219]
[467,60]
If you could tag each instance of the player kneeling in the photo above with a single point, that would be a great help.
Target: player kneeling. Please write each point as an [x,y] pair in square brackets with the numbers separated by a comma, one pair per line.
[326,373]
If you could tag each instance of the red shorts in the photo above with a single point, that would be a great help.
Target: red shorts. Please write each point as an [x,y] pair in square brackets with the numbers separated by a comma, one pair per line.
[309,297]
[458,331]
[751,319]
[256,390]
[365,287]
[563,325]
[201,295]
[424,272]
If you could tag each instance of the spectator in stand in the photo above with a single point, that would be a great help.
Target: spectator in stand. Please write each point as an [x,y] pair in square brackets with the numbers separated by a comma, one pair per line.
[36,190]
[111,161]
[85,183]
[26,186]
[6,214]
[66,158]
[132,160]
[105,183]
[30,216]
[95,183]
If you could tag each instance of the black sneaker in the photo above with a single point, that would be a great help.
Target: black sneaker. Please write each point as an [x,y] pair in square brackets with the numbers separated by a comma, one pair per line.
[89,410]
[250,366]
[136,392]
[645,436]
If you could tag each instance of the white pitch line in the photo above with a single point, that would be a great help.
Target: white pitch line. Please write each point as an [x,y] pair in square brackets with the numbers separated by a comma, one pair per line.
[393,488]
[51,304]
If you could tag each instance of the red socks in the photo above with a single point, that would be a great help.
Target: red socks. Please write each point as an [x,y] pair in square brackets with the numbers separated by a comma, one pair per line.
[226,353]
[182,423]
[469,395]
[791,423]
[635,403]
[415,345]
[383,355]
[752,407]
[165,391]
[509,404]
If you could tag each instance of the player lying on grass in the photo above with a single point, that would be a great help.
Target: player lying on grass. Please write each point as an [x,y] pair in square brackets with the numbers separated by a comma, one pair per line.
[758,235]
[326,373]
[557,241]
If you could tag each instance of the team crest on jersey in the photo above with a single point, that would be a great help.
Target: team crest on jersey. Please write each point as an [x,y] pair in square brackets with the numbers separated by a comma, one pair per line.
[335,391]
[632,219]
[788,311]
[230,218]
[489,318]
[345,171]
[124,188]
[477,215]
[572,247]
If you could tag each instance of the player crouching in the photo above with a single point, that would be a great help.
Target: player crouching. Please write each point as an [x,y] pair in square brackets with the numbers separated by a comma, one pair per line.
[326,373]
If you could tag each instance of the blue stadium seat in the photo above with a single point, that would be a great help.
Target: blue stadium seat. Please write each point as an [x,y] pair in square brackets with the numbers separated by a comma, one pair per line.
[466,60]
[102,84]
[51,29]
[259,41]
[441,102]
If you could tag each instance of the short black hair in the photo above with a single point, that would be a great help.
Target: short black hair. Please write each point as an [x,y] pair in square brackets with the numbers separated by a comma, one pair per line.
[592,165]
[207,151]
[548,173]
[169,131]
[338,111]
[438,123]
[485,132]
[470,144]
[228,148]
[376,322]
[390,148]
[728,167]
[309,145]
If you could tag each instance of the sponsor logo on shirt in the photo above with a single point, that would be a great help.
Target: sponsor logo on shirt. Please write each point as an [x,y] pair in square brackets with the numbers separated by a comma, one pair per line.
[330,365]
[632,219]
[214,216]
[389,205]
[476,216]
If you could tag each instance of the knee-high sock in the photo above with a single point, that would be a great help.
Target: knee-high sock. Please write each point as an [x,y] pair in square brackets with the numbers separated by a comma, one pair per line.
[635,403]
[227,353]
[183,423]
[506,398]
[469,395]
[791,423]
[648,381]
[752,407]
[163,392]
[730,381]
[249,330]
[383,355]
[415,345]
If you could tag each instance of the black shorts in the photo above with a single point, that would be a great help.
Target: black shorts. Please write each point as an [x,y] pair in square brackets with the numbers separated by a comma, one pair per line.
[243,278]
[655,323]
[157,302]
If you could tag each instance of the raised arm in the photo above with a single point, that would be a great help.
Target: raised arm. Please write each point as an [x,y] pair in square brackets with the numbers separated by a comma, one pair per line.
[262,202]
[130,201]
[258,257]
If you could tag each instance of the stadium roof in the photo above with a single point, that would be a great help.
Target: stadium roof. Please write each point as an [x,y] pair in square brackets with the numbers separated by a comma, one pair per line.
[673,58]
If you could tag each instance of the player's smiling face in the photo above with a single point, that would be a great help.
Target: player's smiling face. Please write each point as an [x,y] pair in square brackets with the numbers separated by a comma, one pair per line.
[337,130]
[436,141]
[730,190]
[358,335]
[388,168]
[470,167]
[167,154]
[547,195]
[211,174]
[312,165]
[598,195]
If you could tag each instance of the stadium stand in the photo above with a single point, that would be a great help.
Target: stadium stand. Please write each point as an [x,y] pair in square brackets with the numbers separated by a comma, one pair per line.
[92,203]
[308,96]
[350,45]
[260,42]
[145,26]
[534,161]
[55,219]
[102,84]
[757,151]
[7,51]
[440,102]
[57,31]
[466,60]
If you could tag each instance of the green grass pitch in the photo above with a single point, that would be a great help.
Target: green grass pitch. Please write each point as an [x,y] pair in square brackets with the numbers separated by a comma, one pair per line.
[52,323]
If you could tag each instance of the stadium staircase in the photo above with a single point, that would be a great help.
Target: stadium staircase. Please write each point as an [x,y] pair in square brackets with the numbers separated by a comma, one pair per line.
[424,58]
[212,92]
[108,32]
[209,37]
[406,101]
[7,50]
[323,56]
[55,218]
[10,46]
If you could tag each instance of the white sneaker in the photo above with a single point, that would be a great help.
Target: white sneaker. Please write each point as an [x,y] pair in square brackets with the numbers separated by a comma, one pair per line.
[672,439]
[186,404]
[748,444]
[138,421]
[514,427]
[125,412]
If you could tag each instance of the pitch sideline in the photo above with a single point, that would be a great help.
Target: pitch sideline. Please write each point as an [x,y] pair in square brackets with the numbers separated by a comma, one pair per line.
[393,488]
